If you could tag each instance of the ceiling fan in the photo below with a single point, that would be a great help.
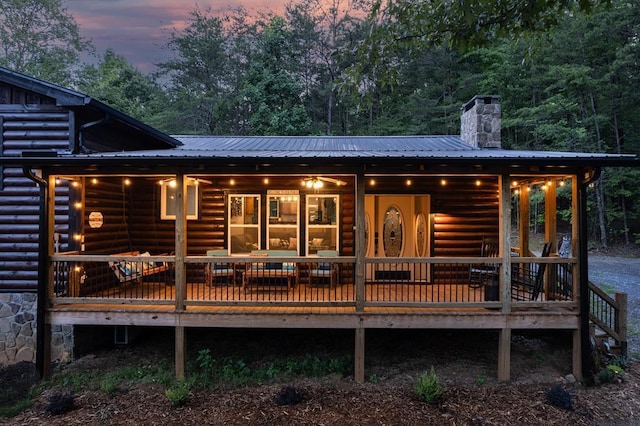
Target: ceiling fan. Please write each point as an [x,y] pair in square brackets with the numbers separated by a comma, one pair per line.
[317,182]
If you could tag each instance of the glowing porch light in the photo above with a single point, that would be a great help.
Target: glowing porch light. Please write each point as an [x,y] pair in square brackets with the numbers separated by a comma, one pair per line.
[443,182]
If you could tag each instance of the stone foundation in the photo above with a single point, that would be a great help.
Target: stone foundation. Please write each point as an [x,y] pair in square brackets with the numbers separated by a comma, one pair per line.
[18,331]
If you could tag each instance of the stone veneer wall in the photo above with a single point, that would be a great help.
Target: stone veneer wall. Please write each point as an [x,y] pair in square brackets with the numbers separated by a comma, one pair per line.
[18,331]
[480,122]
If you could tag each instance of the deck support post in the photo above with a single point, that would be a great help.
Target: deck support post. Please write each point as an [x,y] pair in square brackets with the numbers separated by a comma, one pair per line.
[504,355]
[359,355]
[576,355]
[180,353]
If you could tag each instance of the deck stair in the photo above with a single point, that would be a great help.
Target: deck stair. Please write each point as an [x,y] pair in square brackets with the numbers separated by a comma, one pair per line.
[608,321]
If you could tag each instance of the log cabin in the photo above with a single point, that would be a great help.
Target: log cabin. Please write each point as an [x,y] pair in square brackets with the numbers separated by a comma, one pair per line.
[111,222]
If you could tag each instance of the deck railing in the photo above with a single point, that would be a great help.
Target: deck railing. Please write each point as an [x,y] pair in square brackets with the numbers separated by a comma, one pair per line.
[610,315]
[297,281]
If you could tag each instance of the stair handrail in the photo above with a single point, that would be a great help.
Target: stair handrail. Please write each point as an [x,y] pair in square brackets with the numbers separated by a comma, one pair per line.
[609,314]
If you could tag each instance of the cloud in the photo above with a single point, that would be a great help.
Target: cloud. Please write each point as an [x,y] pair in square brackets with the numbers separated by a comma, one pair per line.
[139,29]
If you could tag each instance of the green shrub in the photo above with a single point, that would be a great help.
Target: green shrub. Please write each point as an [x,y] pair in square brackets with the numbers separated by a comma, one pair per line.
[428,388]
[179,394]
[109,384]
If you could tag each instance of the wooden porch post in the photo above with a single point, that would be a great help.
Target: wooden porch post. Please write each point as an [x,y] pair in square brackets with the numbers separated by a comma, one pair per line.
[582,276]
[361,250]
[47,292]
[504,344]
[524,221]
[180,275]
[360,277]
[576,352]
[550,230]
[550,213]
[181,229]
[505,242]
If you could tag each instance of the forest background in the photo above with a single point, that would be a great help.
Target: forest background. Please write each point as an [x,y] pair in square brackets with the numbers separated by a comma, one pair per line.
[567,73]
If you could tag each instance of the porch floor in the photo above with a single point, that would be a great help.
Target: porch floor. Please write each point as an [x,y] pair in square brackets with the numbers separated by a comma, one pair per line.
[406,292]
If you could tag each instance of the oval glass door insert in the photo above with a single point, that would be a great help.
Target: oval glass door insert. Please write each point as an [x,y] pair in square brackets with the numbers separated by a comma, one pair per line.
[392,231]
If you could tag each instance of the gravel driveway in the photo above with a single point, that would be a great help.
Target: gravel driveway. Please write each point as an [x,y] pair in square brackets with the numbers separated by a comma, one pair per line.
[621,274]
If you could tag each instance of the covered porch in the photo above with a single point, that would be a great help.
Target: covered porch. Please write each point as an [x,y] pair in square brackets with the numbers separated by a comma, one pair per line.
[414,270]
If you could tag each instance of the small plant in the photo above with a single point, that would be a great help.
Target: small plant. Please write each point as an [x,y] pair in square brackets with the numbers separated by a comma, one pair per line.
[109,384]
[374,378]
[60,403]
[620,361]
[481,379]
[205,361]
[428,388]
[560,397]
[617,372]
[606,376]
[178,395]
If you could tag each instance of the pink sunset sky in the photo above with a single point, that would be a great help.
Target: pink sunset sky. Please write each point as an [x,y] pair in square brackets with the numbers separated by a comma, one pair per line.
[138,29]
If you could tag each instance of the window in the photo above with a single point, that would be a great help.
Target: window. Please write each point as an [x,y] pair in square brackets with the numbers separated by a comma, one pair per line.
[244,223]
[284,214]
[322,223]
[392,232]
[168,200]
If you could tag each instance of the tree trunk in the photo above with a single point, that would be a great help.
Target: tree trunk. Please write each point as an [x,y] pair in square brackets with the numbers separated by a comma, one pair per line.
[600,200]
[623,208]
[599,187]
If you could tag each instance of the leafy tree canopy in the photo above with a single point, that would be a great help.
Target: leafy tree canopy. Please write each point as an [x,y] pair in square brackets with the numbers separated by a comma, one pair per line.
[40,38]
[469,23]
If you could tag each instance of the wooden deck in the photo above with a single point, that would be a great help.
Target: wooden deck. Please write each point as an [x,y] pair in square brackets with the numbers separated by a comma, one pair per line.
[387,306]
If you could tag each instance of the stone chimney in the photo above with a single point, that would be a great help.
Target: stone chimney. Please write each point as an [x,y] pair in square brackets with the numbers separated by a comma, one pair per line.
[480,122]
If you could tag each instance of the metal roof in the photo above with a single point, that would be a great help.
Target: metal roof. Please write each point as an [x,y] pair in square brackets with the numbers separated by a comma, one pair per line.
[332,144]
[354,147]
